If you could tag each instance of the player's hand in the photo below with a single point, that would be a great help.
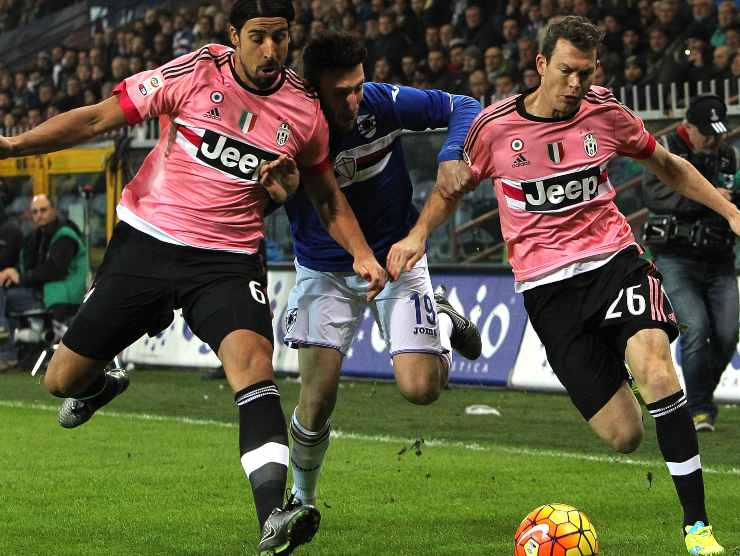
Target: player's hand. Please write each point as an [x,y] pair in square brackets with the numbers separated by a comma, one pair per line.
[9,277]
[374,274]
[734,222]
[280,178]
[454,179]
[405,254]
[726,193]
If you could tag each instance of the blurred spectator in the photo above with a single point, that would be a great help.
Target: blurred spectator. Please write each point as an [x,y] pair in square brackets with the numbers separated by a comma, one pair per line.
[409,67]
[586,8]
[477,31]
[494,63]
[72,95]
[478,86]
[510,32]
[382,71]
[632,82]
[732,36]
[447,34]
[391,43]
[431,39]
[735,74]
[456,53]
[183,38]
[531,78]
[646,13]
[703,11]
[721,59]
[119,69]
[504,87]
[438,76]
[726,17]
[526,53]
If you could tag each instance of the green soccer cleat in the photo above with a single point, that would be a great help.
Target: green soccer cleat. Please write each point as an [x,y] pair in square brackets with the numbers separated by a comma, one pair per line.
[74,412]
[465,337]
[700,539]
[288,527]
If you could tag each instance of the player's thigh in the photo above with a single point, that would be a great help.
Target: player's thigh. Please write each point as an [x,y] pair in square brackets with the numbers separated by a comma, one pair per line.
[619,421]
[323,311]
[230,311]
[407,316]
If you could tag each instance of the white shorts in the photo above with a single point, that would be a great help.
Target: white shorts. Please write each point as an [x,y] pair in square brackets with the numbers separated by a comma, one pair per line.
[326,309]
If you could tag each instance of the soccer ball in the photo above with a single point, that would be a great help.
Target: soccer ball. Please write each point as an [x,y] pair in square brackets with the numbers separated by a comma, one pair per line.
[556,530]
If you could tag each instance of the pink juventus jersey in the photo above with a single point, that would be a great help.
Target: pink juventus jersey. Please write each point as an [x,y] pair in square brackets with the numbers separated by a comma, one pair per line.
[550,176]
[199,185]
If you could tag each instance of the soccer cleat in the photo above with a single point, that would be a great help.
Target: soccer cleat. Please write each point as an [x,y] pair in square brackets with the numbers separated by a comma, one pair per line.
[288,527]
[703,422]
[465,335]
[700,539]
[74,412]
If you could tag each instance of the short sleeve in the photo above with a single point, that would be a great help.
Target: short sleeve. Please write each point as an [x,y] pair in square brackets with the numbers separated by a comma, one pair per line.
[477,149]
[153,93]
[314,156]
[633,140]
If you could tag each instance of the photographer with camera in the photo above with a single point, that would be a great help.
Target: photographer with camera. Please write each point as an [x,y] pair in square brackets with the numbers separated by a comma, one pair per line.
[694,251]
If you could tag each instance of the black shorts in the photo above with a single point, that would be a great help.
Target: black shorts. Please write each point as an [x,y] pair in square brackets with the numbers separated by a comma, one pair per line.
[584,323]
[142,280]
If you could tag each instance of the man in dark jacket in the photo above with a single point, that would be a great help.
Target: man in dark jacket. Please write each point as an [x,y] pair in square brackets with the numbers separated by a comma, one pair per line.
[694,251]
[52,271]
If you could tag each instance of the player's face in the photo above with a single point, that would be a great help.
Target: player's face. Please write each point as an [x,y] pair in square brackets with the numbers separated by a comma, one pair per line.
[261,50]
[341,93]
[704,143]
[567,77]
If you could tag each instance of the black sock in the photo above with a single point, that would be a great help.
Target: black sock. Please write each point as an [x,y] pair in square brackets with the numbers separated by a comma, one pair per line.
[263,445]
[680,448]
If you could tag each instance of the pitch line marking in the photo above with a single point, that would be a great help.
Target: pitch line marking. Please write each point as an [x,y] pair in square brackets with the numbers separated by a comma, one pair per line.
[385,439]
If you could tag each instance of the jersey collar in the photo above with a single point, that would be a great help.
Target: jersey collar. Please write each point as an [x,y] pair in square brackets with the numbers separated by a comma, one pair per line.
[521,110]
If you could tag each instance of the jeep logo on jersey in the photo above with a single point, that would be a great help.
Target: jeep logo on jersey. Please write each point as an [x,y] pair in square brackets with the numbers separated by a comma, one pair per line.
[559,192]
[283,134]
[233,157]
[590,145]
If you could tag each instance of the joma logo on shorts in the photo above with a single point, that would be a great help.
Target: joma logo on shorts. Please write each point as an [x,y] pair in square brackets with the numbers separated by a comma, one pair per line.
[232,156]
[554,194]
[424,331]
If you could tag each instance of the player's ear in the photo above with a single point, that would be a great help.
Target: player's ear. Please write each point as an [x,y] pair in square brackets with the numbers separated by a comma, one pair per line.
[234,36]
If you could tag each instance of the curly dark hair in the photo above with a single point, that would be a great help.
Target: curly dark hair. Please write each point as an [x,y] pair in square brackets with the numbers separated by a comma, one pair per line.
[244,10]
[577,30]
[331,51]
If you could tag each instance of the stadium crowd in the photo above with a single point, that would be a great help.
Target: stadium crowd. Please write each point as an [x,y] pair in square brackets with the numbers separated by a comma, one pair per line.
[484,49]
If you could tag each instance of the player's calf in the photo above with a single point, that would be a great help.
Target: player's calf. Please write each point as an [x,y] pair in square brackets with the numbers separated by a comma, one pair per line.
[75,411]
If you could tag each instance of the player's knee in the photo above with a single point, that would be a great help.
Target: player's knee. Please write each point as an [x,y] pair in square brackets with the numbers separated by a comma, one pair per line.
[57,384]
[422,390]
[627,440]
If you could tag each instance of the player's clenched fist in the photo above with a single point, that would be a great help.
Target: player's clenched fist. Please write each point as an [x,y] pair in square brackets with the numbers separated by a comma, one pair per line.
[368,267]
[454,179]
[280,178]
[405,254]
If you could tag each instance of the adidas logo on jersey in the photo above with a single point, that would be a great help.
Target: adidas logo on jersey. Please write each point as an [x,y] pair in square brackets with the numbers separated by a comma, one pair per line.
[213,113]
[519,160]
[559,192]
[231,156]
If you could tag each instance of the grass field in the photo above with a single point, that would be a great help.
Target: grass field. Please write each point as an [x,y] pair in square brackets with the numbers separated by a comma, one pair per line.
[158,474]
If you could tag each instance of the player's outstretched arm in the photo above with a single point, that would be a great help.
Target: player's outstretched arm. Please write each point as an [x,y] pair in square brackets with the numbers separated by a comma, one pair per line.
[66,130]
[681,176]
[404,254]
[340,222]
[280,178]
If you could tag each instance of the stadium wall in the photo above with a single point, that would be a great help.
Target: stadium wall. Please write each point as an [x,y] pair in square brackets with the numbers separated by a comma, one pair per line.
[512,353]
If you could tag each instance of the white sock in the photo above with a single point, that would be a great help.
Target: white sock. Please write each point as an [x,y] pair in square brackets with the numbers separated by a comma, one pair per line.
[445,332]
[306,456]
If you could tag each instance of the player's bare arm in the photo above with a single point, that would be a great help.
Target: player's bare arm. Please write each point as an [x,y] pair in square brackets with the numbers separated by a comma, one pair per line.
[339,220]
[454,179]
[66,130]
[680,175]
[404,254]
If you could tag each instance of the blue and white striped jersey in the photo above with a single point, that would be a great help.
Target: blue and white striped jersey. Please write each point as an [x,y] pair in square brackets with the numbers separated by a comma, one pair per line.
[370,168]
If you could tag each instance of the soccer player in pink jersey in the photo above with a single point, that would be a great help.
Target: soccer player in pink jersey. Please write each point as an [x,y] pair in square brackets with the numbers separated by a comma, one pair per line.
[235,126]
[592,300]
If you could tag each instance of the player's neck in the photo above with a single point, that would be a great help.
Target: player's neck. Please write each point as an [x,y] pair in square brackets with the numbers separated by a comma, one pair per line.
[537,104]
[245,80]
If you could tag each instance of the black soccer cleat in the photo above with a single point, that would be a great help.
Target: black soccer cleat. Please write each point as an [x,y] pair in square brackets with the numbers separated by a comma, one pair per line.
[288,527]
[74,412]
[465,337]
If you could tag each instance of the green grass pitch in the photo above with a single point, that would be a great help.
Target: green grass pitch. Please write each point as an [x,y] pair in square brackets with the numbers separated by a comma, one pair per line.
[158,474]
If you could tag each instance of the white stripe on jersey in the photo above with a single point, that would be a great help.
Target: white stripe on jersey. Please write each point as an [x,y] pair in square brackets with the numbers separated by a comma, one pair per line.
[367,150]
